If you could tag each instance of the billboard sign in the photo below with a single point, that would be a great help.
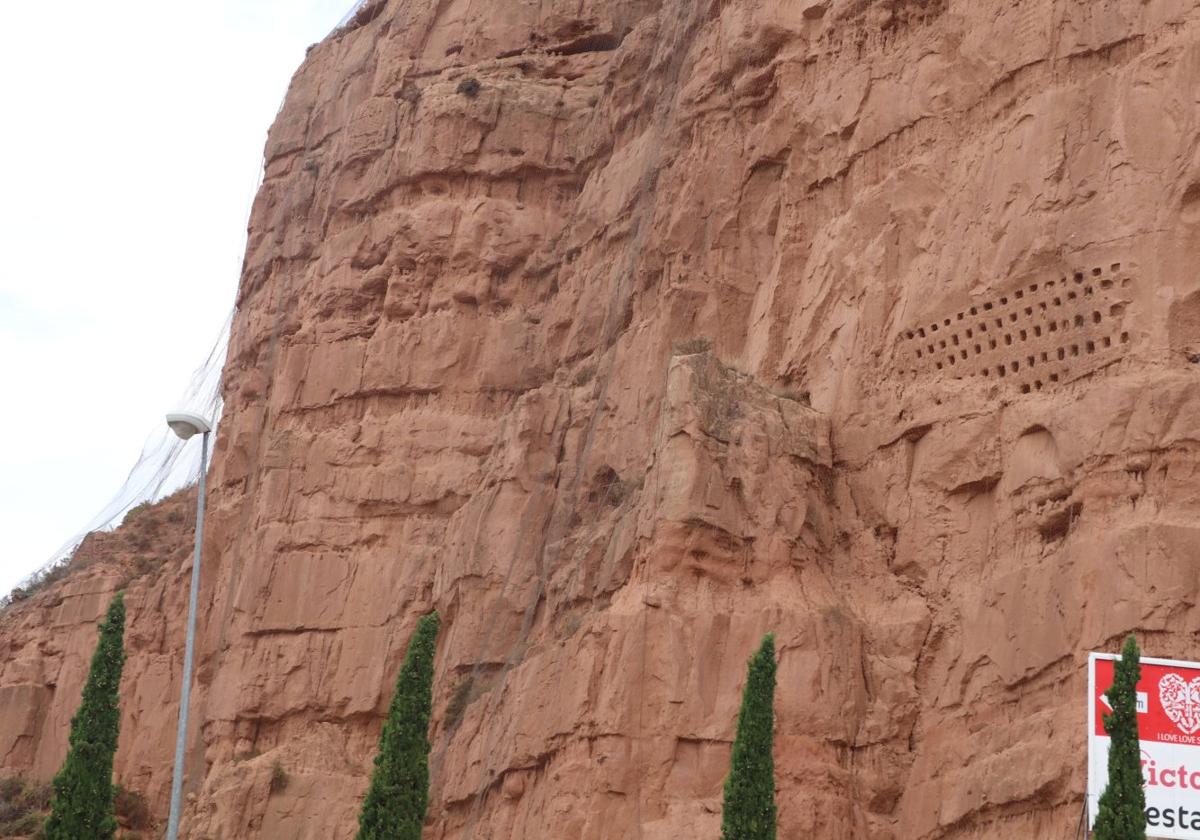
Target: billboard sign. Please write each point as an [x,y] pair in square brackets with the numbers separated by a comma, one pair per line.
[1168,706]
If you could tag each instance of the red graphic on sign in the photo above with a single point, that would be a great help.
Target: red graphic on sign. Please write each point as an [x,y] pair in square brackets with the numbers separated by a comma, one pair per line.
[1181,701]
[1168,702]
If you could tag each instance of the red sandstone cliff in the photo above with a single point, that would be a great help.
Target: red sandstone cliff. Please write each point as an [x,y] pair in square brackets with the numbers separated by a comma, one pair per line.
[625,332]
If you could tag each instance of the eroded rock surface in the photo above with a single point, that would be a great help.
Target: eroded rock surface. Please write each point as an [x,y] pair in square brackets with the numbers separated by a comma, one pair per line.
[622,333]
[48,637]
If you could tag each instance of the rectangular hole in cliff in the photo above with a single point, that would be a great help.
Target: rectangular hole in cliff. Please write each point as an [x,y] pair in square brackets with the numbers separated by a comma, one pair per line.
[1124,338]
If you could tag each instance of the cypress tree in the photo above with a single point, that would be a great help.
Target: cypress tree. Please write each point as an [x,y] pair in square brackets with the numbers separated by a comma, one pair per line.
[1122,814]
[749,808]
[399,793]
[82,805]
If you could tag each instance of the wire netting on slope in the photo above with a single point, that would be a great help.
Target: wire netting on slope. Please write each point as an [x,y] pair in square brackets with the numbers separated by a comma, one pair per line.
[164,465]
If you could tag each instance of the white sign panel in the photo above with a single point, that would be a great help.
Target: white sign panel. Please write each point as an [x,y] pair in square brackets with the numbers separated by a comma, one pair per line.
[1168,706]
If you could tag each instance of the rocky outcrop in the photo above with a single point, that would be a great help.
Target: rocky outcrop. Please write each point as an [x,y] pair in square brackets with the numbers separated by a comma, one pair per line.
[622,333]
[47,639]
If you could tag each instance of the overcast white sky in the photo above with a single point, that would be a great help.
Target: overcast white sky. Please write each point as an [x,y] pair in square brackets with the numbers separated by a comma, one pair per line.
[131,148]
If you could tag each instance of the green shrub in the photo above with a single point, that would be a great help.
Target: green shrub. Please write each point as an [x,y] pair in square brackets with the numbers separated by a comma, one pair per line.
[10,789]
[690,346]
[1122,814]
[37,582]
[23,807]
[25,825]
[82,805]
[131,808]
[749,808]
[279,778]
[36,796]
[399,793]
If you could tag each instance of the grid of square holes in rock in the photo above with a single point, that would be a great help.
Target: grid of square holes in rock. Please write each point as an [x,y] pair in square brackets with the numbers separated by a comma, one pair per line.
[1035,336]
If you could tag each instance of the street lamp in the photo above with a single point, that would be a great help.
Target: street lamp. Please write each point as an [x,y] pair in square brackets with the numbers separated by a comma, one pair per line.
[185,425]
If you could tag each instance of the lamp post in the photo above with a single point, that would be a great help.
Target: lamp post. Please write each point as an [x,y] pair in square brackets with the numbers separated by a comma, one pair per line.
[186,425]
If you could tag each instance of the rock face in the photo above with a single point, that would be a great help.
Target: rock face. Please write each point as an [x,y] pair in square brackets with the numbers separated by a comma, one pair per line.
[623,333]
[47,640]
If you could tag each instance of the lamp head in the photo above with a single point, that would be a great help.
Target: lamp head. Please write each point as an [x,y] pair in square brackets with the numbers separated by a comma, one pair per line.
[185,424]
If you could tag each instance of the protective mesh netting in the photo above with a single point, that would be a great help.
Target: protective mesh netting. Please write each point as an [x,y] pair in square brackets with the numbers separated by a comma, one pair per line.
[166,463]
